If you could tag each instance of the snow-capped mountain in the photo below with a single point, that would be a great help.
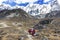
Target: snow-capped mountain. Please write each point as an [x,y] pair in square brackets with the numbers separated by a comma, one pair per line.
[55,5]
[55,10]
[40,11]
[36,10]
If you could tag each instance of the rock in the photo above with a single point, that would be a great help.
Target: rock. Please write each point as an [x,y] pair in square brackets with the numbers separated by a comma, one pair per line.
[47,21]
[44,38]
[38,27]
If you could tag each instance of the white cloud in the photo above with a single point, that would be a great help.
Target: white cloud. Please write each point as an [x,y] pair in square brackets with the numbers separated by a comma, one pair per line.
[46,0]
[58,1]
[24,1]
[2,1]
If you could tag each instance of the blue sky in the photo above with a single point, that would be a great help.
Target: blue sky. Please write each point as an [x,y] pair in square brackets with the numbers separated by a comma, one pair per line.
[42,2]
[24,2]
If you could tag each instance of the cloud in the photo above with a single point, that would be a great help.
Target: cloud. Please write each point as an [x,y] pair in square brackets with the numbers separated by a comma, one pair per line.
[24,1]
[46,0]
[2,1]
[19,1]
[58,1]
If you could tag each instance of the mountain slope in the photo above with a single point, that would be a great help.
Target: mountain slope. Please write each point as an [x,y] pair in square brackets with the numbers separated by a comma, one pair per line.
[53,14]
[14,14]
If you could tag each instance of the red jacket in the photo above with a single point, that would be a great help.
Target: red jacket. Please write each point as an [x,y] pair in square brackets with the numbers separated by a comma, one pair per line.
[31,32]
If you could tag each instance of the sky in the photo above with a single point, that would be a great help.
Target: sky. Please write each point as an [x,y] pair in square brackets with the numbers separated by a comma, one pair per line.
[25,2]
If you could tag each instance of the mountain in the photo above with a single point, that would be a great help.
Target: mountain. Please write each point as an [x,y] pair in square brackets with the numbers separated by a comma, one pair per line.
[55,10]
[40,11]
[53,14]
[35,10]
[14,14]
[55,5]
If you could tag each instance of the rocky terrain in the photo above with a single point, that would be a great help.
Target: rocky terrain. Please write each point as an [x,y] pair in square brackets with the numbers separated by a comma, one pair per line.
[14,25]
[53,14]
